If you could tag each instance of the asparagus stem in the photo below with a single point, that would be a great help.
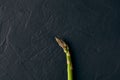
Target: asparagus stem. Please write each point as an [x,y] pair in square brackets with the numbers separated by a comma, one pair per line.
[65,48]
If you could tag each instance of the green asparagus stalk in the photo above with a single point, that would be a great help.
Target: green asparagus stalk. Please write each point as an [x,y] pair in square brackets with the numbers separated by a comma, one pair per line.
[65,48]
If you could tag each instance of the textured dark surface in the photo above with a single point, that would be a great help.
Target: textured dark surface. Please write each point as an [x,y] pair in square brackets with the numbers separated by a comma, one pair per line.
[28,50]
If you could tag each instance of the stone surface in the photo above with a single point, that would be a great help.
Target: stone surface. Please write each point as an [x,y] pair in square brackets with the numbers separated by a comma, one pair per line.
[28,50]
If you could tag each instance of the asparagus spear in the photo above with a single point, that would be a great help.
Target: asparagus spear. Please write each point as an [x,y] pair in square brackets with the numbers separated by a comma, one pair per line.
[65,48]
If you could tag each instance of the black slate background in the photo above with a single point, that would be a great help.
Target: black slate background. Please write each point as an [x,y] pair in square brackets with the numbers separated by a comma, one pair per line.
[28,50]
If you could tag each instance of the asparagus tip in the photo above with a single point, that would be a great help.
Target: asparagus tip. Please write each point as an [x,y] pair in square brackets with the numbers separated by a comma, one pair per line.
[61,43]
